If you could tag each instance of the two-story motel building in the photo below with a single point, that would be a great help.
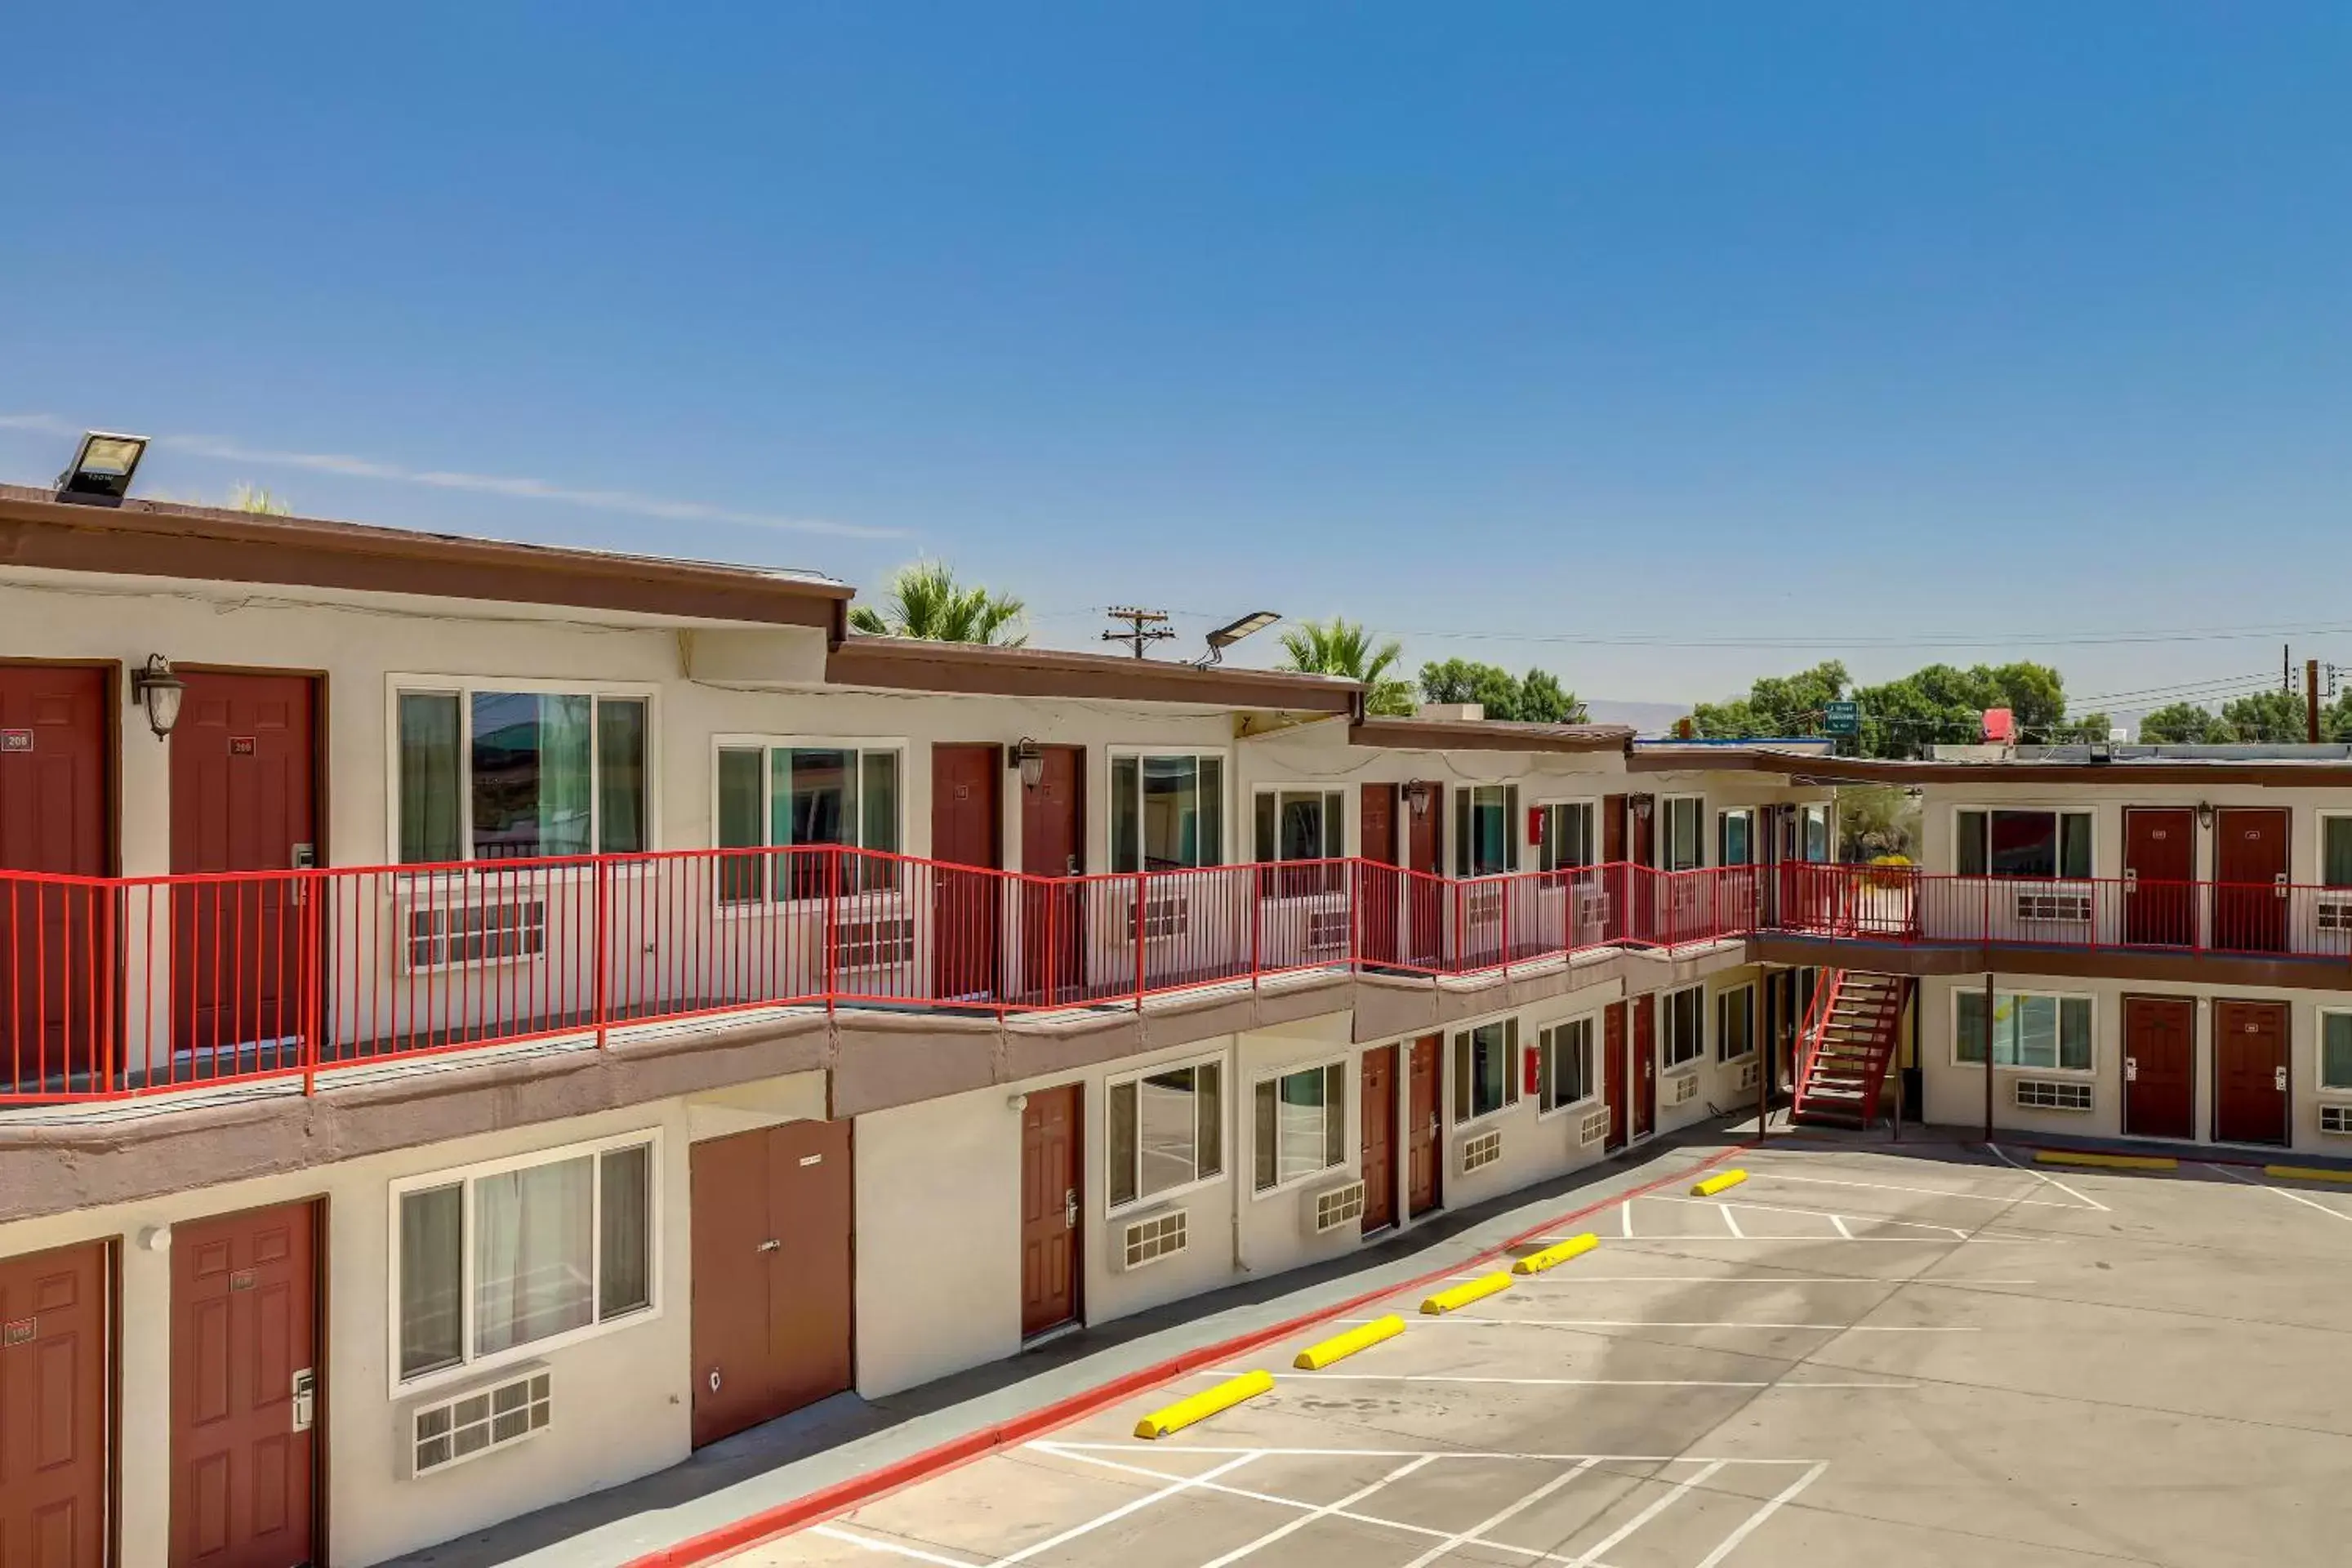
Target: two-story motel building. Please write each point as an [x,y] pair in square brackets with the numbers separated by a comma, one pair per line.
[478,1022]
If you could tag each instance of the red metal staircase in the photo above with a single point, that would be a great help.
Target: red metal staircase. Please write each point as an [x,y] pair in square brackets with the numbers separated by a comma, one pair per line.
[1849,1040]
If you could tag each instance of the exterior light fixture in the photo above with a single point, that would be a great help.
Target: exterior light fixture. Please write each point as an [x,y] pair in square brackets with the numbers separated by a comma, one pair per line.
[100,472]
[2204,813]
[154,688]
[1419,793]
[1031,761]
[1232,632]
[1642,805]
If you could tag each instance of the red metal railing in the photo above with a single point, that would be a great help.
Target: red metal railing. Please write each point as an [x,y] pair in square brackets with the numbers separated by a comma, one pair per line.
[138,985]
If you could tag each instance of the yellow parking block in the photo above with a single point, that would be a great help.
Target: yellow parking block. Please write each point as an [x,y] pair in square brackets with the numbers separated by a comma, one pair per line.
[2110,1162]
[1462,1295]
[2305,1173]
[1553,1256]
[1722,1182]
[1315,1357]
[1200,1406]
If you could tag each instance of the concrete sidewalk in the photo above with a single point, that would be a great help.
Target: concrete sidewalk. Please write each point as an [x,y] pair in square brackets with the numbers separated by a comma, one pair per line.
[847,1436]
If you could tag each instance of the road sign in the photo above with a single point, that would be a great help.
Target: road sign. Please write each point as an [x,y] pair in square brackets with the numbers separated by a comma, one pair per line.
[1841,719]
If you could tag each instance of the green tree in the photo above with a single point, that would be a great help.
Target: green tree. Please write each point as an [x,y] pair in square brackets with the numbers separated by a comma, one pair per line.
[1535,697]
[1776,707]
[1877,819]
[1343,648]
[2079,731]
[2273,717]
[926,602]
[2183,724]
[1544,700]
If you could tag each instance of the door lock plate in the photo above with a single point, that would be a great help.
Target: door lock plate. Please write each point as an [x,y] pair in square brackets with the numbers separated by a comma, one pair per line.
[305,1389]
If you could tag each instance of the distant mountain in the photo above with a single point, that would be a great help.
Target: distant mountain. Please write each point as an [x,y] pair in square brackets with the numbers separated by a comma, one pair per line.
[1647,717]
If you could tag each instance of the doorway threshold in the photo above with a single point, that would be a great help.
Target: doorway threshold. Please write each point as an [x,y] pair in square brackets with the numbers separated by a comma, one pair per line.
[1044,1337]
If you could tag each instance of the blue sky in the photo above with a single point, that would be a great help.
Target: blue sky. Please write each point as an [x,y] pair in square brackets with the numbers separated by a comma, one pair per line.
[1496,326]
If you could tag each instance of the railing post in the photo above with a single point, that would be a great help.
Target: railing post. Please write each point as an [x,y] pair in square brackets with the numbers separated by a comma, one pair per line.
[1504,886]
[309,968]
[1140,891]
[833,923]
[602,962]
[1257,914]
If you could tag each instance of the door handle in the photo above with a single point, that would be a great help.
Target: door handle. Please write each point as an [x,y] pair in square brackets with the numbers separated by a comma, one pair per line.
[1072,862]
[2278,1079]
[2131,1070]
[1070,1209]
[771,1245]
[2278,888]
[714,1379]
[305,1390]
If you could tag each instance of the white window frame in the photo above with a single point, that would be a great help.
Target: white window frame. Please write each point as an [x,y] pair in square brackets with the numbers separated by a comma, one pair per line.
[1513,1070]
[1666,1012]
[1989,875]
[1546,1040]
[1722,825]
[1663,816]
[2091,1071]
[464,688]
[2319,1051]
[1227,797]
[1272,1075]
[1453,852]
[1590,805]
[465,1176]
[1143,1200]
[1829,831]
[2319,847]
[1323,793]
[767,746]
[1754,1025]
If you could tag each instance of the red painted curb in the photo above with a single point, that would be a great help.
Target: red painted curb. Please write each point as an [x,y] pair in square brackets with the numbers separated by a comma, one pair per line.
[841,1496]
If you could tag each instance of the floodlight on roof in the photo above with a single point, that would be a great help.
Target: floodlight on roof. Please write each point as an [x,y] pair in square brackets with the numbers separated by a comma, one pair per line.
[100,472]
[1232,632]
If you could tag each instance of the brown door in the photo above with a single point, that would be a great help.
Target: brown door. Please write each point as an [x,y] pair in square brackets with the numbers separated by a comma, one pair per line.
[2250,1072]
[1424,894]
[2159,1071]
[2160,876]
[2250,894]
[1639,921]
[246,1380]
[967,815]
[1644,832]
[1376,1098]
[770,1212]
[57,942]
[1053,846]
[1423,1179]
[1051,1128]
[1612,828]
[1379,899]
[1612,1072]
[243,798]
[1643,1047]
[54,1438]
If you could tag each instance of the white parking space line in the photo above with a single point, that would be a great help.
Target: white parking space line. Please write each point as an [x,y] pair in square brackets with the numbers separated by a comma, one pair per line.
[1952,1230]
[1548,1382]
[1625,1218]
[1292,1527]
[1502,1516]
[889,1548]
[1682,1489]
[2050,1180]
[1115,1515]
[1772,1506]
[1757,1175]
[2328,1209]
[1838,1220]
[1732,1222]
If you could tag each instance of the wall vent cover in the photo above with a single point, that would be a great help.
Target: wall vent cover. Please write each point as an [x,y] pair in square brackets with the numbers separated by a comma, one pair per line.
[450,1429]
[1150,1237]
[2043,1094]
[1481,1151]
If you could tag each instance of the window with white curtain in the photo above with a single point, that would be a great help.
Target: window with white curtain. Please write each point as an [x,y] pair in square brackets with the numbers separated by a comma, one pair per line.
[1568,838]
[1299,1125]
[1683,849]
[778,795]
[1166,1130]
[1565,1071]
[521,1253]
[1167,812]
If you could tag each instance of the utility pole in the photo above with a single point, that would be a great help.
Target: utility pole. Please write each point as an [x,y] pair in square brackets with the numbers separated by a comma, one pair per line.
[2311,701]
[2286,667]
[1144,628]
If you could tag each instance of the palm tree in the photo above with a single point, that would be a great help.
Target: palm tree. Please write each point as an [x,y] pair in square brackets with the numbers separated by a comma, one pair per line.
[1342,648]
[927,602]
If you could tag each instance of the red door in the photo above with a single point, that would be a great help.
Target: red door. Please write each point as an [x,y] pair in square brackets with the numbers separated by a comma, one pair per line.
[1378,897]
[966,818]
[2250,1072]
[1424,1183]
[1051,1126]
[2250,875]
[1053,846]
[57,941]
[770,1212]
[1376,1100]
[1644,1048]
[1641,888]
[1612,1072]
[1424,894]
[243,773]
[54,1439]
[2159,1067]
[2160,876]
[245,1388]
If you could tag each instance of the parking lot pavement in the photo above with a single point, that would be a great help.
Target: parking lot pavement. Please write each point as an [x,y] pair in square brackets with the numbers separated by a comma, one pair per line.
[1858,1356]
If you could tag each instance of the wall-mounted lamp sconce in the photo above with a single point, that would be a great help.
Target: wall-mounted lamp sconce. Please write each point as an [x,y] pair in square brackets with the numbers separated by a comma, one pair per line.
[1419,795]
[2204,813]
[155,1238]
[1016,1103]
[1641,805]
[1030,760]
[156,689]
